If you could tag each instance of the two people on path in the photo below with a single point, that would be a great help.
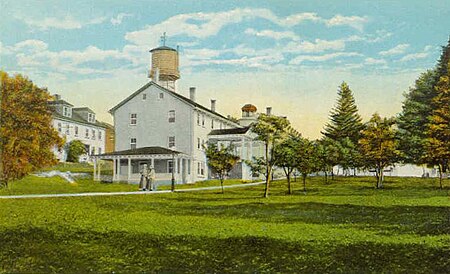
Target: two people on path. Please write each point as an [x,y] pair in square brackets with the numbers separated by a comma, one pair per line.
[147,181]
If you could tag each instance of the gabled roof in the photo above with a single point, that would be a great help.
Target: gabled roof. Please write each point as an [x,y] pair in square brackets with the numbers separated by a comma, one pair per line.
[179,96]
[227,131]
[142,151]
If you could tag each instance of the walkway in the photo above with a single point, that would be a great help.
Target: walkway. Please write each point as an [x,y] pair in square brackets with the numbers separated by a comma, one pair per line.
[28,196]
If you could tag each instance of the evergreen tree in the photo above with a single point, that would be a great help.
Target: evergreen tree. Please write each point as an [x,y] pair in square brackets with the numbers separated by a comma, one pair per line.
[344,127]
[417,108]
[438,131]
[413,120]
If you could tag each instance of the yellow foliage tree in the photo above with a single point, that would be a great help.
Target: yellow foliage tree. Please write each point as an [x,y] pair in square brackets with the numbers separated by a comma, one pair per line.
[26,134]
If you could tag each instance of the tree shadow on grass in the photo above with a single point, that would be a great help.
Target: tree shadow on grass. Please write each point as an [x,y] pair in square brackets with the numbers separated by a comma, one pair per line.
[38,250]
[423,220]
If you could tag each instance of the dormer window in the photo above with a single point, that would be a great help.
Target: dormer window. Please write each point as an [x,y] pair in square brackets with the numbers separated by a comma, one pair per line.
[144,96]
[67,111]
[91,117]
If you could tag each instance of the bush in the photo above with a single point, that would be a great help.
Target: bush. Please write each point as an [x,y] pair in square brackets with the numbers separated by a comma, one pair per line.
[74,150]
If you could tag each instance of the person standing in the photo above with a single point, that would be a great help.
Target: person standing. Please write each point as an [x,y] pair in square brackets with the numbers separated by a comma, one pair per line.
[144,178]
[151,179]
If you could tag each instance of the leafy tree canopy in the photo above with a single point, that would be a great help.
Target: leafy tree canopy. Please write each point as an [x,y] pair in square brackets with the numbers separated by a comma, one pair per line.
[221,160]
[26,132]
[75,149]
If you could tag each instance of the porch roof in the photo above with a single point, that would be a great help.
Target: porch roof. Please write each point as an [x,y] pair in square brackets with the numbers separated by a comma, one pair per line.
[142,152]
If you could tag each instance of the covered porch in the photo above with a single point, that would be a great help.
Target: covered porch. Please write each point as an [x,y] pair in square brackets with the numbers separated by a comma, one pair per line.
[127,165]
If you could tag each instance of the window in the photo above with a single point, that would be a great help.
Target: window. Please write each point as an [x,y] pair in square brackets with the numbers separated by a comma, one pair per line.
[169,166]
[67,129]
[200,168]
[133,119]
[203,120]
[161,95]
[99,150]
[144,96]
[93,151]
[59,127]
[189,166]
[87,133]
[212,123]
[93,134]
[198,143]
[99,135]
[198,118]
[171,141]
[91,118]
[66,112]
[203,143]
[171,116]
[76,131]
[133,143]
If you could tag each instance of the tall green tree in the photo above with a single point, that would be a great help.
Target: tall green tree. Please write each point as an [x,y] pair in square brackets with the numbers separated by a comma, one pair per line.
[438,142]
[270,130]
[345,126]
[27,135]
[345,121]
[286,156]
[221,160]
[379,145]
[417,108]
[413,120]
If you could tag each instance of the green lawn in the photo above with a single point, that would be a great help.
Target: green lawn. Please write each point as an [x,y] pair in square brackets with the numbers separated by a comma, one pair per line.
[346,227]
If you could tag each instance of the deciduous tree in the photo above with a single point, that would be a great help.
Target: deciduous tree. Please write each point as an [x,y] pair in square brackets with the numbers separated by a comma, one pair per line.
[74,150]
[379,145]
[286,156]
[27,135]
[221,160]
[308,159]
[438,142]
[270,130]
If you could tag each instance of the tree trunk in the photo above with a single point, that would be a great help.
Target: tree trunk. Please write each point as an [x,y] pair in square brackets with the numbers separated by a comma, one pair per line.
[268,172]
[332,174]
[326,177]
[380,177]
[440,176]
[304,182]
[221,183]
[288,176]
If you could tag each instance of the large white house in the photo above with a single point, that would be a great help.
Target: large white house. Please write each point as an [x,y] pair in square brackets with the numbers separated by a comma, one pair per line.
[164,129]
[77,124]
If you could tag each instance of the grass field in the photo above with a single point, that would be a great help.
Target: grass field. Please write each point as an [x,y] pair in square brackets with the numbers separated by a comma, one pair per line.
[346,227]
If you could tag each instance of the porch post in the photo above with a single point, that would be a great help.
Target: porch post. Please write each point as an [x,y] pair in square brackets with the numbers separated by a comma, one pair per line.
[114,169]
[175,165]
[129,169]
[153,162]
[181,170]
[95,169]
[99,172]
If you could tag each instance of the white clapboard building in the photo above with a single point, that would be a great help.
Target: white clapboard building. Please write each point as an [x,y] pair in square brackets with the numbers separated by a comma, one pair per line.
[77,124]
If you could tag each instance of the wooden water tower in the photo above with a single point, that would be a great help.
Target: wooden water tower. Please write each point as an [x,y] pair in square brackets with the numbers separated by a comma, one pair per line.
[164,70]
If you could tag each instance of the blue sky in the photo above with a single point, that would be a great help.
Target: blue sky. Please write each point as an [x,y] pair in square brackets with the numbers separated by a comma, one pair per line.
[291,55]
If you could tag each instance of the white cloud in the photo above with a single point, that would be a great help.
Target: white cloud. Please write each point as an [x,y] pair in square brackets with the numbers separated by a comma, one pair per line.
[399,49]
[201,25]
[119,18]
[318,45]
[321,58]
[373,61]
[419,55]
[277,35]
[61,23]
[356,22]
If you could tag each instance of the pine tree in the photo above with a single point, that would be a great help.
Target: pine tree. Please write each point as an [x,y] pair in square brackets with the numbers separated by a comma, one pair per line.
[438,131]
[413,120]
[417,108]
[344,127]
[345,120]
